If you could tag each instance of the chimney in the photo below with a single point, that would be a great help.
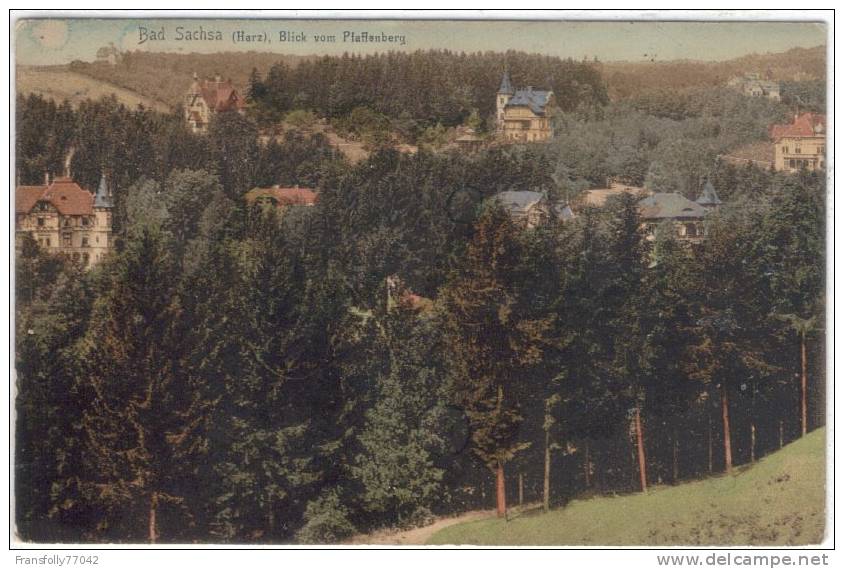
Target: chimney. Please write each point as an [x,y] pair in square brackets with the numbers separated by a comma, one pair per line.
[46,178]
[67,160]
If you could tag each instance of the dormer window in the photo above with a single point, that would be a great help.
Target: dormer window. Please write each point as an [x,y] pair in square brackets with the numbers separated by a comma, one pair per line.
[40,222]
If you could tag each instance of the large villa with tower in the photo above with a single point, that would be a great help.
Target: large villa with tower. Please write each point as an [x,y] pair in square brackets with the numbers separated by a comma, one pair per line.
[65,219]
[524,115]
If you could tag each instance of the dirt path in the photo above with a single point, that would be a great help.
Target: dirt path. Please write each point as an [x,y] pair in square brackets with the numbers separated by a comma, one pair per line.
[417,536]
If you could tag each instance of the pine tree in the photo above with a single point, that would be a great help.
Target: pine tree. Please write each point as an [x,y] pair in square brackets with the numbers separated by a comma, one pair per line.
[143,425]
[406,431]
[486,340]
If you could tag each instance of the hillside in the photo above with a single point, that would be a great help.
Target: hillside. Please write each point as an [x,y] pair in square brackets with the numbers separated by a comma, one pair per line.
[625,78]
[166,77]
[59,84]
[778,501]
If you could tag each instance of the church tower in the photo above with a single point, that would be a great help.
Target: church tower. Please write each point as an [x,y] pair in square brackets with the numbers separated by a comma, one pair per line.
[505,93]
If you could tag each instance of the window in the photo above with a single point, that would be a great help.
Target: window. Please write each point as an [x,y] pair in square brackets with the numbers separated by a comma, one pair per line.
[821,149]
[67,222]
[66,242]
[797,150]
[85,242]
[85,222]
[785,149]
[40,222]
[85,258]
[691,230]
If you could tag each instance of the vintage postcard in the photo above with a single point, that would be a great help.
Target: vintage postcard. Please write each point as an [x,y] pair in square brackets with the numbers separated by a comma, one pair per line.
[535,282]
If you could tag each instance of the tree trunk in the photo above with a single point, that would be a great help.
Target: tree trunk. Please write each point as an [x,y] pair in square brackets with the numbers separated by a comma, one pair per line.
[588,466]
[753,422]
[500,494]
[675,459]
[640,445]
[153,512]
[521,489]
[725,415]
[709,432]
[752,442]
[804,380]
[546,481]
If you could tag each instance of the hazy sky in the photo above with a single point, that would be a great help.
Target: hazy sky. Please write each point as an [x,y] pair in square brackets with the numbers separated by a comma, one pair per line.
[56,41]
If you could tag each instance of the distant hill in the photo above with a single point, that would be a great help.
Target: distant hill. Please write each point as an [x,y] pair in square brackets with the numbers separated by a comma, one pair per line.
[166,77]
[58,84]
[780,500]
[163,78]
[625,78]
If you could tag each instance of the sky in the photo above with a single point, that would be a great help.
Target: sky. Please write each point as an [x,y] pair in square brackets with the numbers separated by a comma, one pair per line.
[59,41]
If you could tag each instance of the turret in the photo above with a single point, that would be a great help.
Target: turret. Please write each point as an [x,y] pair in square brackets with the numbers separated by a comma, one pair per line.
[708,197]
[505,93]
[102,199]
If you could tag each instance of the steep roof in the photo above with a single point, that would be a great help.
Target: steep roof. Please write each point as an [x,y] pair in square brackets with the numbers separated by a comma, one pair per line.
[709,196]
[506,87]
[283,196]
[218,95]
[26,197]
[101,198]
[806,124]
[534,99]
[669,206]
[63,193]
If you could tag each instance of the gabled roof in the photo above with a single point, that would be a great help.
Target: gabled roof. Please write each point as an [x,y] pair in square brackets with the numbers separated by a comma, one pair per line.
[26,197]
[506,87]
[708,196]
[519,201]
[536,100]
[283,196]
[63,193]
[218,95]
[807,124]
[669,206]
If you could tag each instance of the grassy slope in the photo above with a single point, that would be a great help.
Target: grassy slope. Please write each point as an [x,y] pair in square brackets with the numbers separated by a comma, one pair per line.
[780,500]
[59,84]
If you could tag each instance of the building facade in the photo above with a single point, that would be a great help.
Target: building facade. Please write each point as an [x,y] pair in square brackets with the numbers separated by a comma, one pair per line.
[206,98]
[752,85]
[802,143]
[524,115]
[65,219]
[529,208]
[684,216]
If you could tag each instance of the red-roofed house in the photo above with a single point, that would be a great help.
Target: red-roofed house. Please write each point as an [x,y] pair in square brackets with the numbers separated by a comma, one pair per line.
[207,98]
[282,198]
[64,218]
[801,143]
